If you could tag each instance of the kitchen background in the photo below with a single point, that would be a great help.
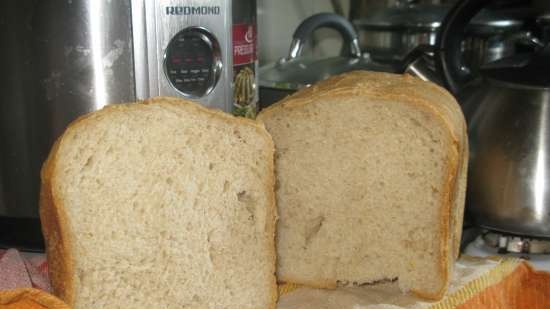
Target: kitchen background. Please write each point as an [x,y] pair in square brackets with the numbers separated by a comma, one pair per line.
[57,72]
[277,20]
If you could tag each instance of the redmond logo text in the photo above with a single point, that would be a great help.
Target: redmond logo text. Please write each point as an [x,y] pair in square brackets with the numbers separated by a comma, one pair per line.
[193,10]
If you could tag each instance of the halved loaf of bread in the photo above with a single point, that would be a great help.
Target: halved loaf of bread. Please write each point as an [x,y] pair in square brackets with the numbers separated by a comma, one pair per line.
[370,182]
[161,204]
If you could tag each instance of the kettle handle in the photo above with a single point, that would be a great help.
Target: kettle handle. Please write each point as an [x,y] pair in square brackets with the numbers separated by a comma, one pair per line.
[448,54]
[330,20]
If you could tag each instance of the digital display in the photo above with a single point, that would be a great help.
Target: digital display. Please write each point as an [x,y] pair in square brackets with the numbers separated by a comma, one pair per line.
[190,62]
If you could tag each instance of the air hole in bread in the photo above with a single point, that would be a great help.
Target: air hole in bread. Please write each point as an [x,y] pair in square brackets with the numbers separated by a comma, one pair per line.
[277,184]
[313,228]
[249,204]
[237,133]
[241,196]
[89,162]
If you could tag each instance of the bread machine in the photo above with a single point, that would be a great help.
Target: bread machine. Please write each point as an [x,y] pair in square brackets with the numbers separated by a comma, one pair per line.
[63,59]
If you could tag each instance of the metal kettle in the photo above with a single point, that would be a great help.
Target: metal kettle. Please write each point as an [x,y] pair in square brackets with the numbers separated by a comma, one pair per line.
[507,108]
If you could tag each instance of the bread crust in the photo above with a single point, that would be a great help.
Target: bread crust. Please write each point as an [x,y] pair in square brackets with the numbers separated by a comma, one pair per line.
[59,244]
[427,96]
[56,234]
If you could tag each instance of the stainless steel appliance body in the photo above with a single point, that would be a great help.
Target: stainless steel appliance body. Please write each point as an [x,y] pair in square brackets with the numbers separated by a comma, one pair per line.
[183,48]
[63,59]
[508,115]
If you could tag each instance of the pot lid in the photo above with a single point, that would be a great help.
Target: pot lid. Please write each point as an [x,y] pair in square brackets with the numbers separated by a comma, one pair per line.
[493,21]
[429,17]
[295,71]
[301,72]
[426,17]
[525,70]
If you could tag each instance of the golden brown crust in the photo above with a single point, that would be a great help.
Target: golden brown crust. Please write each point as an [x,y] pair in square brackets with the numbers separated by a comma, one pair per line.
[271,221]
[213,112]
[53,216]
[404,88]
[446,247]
[28,298]
[56,235]
[460,194]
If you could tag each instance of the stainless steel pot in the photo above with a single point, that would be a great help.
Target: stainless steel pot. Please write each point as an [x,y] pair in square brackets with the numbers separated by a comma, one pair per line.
[493,35]
[508,113]
[294,72]
[391,34]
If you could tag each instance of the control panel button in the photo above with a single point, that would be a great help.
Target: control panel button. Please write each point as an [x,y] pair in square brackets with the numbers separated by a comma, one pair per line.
[192,62]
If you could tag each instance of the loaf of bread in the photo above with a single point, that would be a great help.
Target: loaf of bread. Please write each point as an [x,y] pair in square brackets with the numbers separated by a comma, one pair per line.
[161,204]
[371,171]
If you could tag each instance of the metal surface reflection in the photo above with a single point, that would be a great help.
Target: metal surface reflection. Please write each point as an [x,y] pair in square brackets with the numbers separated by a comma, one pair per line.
[540,166]
[66,59]
[95,11]
[508,176]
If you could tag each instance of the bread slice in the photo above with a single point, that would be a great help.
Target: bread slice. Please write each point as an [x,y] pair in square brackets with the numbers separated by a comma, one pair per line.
[161,204]
[371,171]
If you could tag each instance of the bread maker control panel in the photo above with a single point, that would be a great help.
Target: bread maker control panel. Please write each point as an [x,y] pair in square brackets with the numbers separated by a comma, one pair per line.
[192,62]
[183,48]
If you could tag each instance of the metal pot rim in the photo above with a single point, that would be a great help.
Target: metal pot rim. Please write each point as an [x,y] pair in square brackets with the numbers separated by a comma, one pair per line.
[282,85]
[280,75]
[387,26]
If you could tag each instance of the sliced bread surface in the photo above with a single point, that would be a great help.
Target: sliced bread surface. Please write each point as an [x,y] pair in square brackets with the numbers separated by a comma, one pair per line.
[161,204]
[370,182]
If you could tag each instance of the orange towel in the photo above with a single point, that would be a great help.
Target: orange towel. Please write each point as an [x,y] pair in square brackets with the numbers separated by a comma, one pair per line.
[29,298]
[523,288]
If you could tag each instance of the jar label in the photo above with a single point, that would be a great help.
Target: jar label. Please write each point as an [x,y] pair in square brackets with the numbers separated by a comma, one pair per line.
[245,80]
[244,44]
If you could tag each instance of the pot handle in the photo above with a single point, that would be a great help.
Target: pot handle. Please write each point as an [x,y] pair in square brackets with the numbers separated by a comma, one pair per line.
[330,20]
[420,63]
[448,53]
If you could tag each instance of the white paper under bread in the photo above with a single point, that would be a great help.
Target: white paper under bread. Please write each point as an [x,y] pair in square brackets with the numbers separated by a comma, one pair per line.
[381,296]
